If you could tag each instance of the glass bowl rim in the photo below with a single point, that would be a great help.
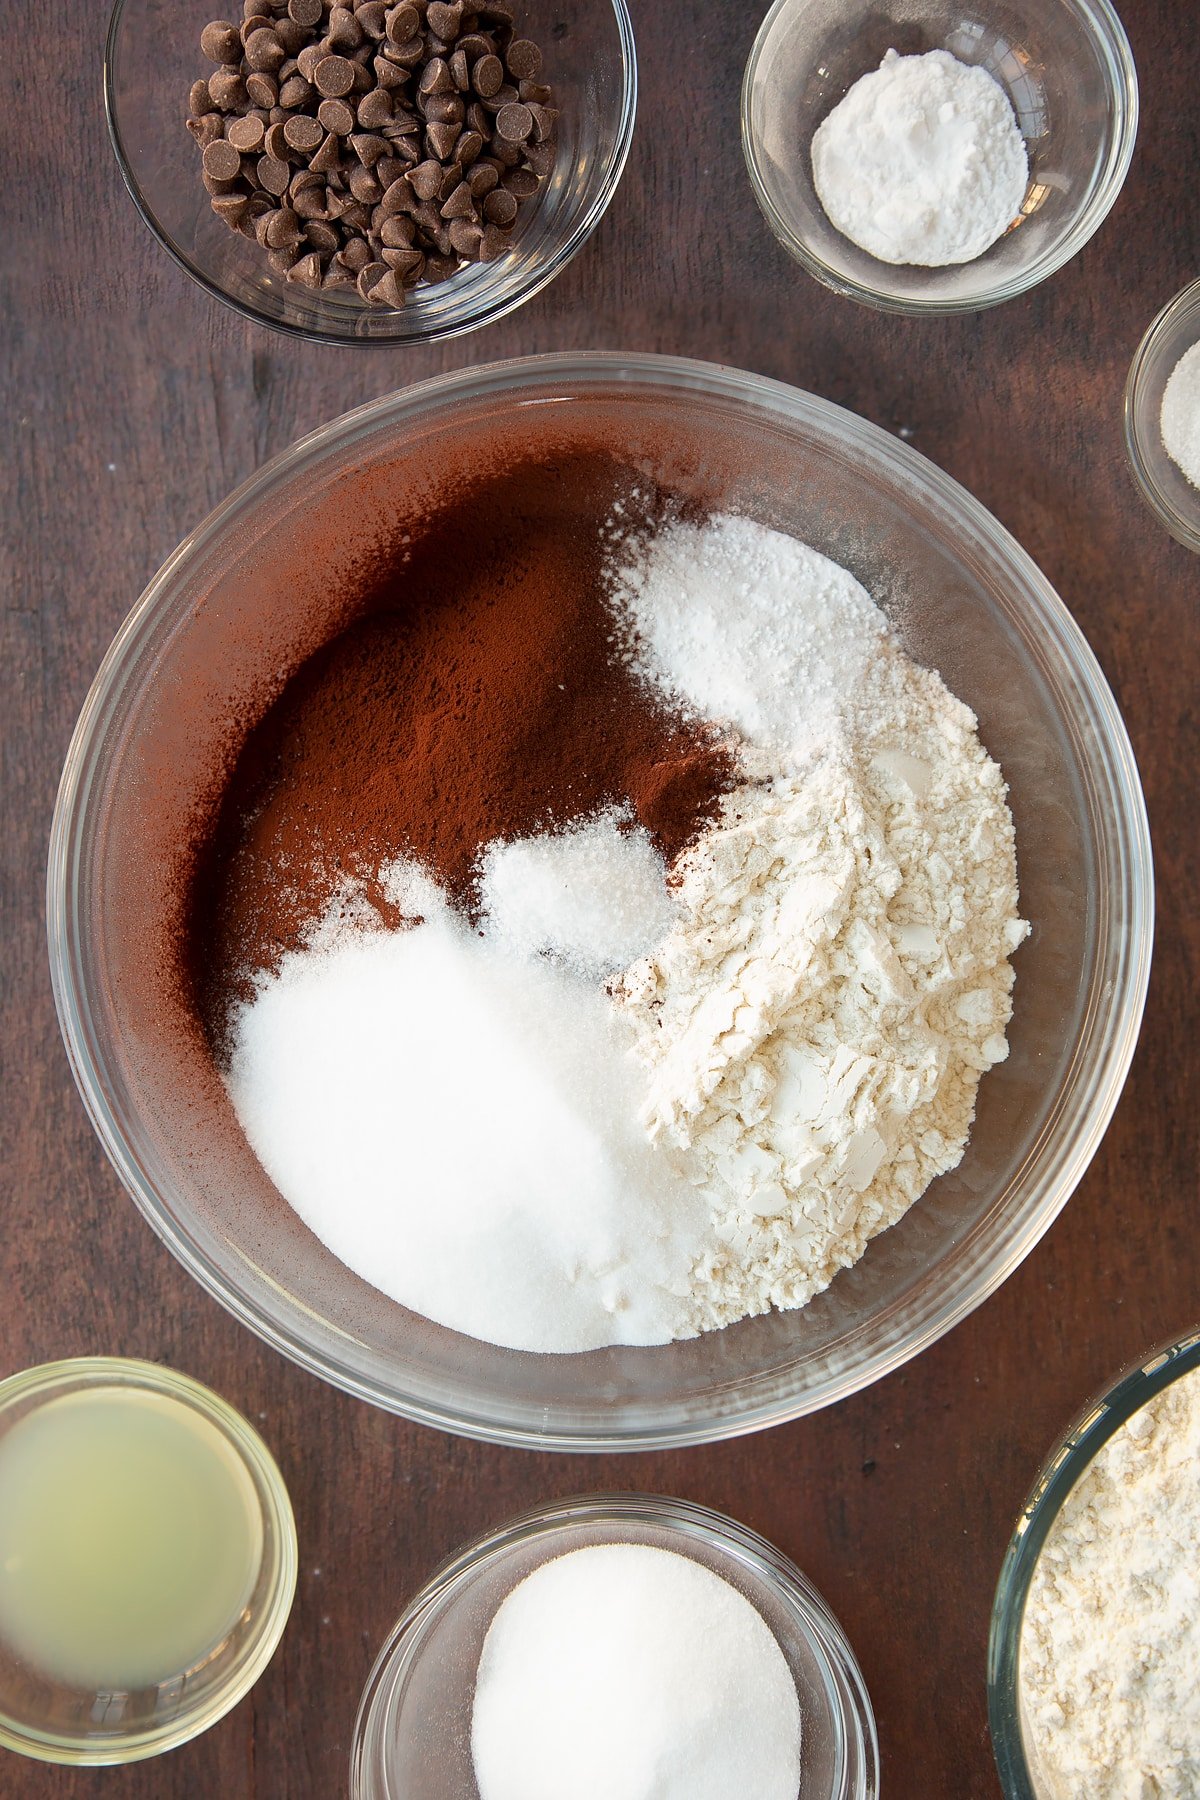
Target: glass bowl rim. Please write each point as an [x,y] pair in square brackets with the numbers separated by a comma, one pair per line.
[47,1381]
[1090,1429]
[1111,39]
[600,370]
[842,1679]
[526,280]
[1184,304]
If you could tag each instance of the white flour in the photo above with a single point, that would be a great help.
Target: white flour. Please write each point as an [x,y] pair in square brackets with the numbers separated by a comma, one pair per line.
[922,162]
[1110,1646]
[814,1029]
[1180,421]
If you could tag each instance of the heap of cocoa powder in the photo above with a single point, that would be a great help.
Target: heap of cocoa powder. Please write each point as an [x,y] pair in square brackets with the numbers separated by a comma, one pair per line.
[478,695]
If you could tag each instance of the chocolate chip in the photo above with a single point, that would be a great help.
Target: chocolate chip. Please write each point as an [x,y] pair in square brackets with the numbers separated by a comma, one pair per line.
[343,31]
[261,89]
[323,237]
[230,207]
[467,149]
[500,206]
[487,76]
[305,12]
[369,147]
[306,272]
[296,92]
[515,123]
[373,19]
[460,71]
[465,236]
[425,180]
[199,99]
[403,24]
[264,52]
[544,120]
[207,128]
[369,276]
[221,160]
[536,91]
[441,139]
[334,76]
[245,134]
[374,109]
[364,186]
[281,260]
[493,244]
[459,204]
[336,117]
[328,158]
[408,264]
[221,43]
[396,199]
[309,57]
[355,255]
[389,291]
[408,55]
[273,174]
[303,133]
[227,89]
[397,232]
[482,179]
[542,157]
[445,20]
[523,59]
[521,183]
[293,37]
[282,228]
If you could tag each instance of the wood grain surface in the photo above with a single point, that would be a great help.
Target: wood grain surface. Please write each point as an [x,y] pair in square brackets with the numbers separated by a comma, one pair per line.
[132,404]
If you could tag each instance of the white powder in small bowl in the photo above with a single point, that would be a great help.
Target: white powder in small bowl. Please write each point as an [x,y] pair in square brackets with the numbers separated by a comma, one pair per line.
[626,1672]
[922,162]
[1180,419]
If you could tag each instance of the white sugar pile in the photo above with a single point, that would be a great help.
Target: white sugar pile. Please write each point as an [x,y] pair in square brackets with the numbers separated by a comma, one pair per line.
[460,1129]
[625,1672]
[594,897]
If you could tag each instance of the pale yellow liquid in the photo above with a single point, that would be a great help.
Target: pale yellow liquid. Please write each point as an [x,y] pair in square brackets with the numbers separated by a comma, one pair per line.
[130,1539]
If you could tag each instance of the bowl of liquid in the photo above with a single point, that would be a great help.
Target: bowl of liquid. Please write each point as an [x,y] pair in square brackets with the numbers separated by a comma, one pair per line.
[147,1560]
[233,613]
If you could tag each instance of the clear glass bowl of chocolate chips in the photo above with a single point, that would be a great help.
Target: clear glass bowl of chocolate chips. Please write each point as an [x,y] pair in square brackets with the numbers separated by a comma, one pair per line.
[532,890]
[380,171]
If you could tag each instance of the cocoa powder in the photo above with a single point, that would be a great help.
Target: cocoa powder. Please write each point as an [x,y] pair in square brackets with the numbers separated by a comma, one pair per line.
[476,695]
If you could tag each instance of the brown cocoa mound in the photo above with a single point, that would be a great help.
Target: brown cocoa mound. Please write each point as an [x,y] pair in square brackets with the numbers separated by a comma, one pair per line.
[477,694]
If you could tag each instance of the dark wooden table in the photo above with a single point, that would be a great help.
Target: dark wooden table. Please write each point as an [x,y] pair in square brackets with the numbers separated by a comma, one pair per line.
[131,404]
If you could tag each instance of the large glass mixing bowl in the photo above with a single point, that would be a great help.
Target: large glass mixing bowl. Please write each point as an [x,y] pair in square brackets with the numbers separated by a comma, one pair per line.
[220,618]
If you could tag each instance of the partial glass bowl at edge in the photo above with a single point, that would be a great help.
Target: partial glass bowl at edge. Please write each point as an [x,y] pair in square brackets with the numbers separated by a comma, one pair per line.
[151,60]
[413,1733]
[965,599]
[1064,1468]
[1163,484]
[1067,70]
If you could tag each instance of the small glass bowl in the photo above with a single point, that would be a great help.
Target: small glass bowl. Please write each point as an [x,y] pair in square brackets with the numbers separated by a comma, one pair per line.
[412,1738]
[1068,71]
[152,58]
[1063,1469]
[1163,483]
[56,1723]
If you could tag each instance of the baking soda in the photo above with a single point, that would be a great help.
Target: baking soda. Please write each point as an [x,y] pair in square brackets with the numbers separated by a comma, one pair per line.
[1180,420]
[922,162]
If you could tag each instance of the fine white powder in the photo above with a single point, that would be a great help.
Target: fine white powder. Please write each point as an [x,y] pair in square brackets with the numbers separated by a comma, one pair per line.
[1180,421]
[626,1672]
[922,162]
[594,898]
[460,1129]
[1110,1645]
[747,627]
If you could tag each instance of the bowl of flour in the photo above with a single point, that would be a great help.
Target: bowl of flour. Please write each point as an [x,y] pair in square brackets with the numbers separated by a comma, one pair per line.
[648,962]
[924,162]
[1162,416]
[1095,1642]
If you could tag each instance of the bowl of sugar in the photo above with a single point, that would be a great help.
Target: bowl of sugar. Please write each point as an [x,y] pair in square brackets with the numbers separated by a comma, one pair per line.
[385,1002]
[925,161]
[611,1646]
[1095,1635]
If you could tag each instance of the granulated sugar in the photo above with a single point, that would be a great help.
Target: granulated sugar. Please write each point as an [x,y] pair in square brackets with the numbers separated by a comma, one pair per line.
[594,897]
[1180,421]
[626,1672]
[1110,1644]
[922,162]
[460,1129]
